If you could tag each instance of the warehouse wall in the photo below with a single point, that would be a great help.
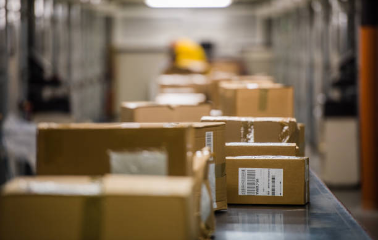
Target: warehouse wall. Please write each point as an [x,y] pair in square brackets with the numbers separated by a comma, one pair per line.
[144,34]
[231,29]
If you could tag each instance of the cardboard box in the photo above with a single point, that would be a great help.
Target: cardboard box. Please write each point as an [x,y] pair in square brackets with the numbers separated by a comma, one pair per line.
[248,129]
[115,207]
[86,149]
[190,83]
[214,92]
[260,149]
[233,66]
[152,112]
[202,192]
[212,135]
[267,180]
[254,100]
[301,140]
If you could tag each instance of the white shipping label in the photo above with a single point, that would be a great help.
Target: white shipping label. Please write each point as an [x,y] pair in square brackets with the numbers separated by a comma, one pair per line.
[210,142]
[261,181]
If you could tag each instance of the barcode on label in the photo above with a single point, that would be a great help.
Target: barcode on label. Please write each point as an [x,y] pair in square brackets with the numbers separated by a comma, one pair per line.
[260,182]
[251,182]
[209,142]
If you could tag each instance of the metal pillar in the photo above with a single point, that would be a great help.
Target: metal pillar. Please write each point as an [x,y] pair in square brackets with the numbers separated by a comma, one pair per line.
[368,96]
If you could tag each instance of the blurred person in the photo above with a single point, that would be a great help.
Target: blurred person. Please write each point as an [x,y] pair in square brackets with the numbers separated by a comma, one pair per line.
[187,57]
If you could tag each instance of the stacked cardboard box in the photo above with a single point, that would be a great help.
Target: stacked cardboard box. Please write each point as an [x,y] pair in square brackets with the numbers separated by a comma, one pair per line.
[248,99]
[262,166]
[132,148]
[153,112]
[113,207]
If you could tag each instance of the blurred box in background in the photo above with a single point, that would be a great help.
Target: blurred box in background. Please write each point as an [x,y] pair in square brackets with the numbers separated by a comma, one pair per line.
[256,100]
[212,135]
[259,149]
[229,65]
[89,149]
[113,207]
[191,83]
[216,81]
[267,180]
[153,112]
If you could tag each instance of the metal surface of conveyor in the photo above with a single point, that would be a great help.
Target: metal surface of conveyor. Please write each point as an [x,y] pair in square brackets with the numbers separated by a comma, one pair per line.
[323,218]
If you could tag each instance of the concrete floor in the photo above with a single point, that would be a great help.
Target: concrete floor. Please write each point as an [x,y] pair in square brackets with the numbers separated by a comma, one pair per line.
[351,198]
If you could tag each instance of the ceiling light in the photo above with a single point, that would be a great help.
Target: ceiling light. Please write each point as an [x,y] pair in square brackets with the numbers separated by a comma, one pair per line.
[188,3]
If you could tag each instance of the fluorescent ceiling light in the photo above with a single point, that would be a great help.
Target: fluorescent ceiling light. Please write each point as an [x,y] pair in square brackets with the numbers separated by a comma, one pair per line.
[188,3]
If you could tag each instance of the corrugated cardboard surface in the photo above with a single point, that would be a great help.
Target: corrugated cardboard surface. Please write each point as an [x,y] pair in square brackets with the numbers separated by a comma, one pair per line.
[215,85]
[201,170]
[260,101]
[240,129]
[301,140]
[258,149]
[295,179]
[125,207]
[145,207]
[218,157]
[83,149]
[152,112]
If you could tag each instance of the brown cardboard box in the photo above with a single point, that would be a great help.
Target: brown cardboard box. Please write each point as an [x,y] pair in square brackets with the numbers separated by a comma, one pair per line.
[214,92]
[249,129]
[86,149]
[227,65]
[301,140]
[212,135]
[272,100]
[267,180]
[115,207]
[152,112]
[180,83]
[259,149]
[202,193]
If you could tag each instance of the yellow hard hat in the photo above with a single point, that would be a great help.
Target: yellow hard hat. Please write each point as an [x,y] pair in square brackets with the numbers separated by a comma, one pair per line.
[189,54]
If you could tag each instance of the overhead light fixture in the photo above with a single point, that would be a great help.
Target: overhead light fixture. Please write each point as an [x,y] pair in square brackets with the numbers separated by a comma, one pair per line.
[188,3]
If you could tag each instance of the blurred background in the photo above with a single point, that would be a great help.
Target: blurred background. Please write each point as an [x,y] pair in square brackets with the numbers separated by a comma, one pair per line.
[76,61]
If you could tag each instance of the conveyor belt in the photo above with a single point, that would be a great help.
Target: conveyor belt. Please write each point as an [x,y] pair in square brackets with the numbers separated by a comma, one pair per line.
[324,218]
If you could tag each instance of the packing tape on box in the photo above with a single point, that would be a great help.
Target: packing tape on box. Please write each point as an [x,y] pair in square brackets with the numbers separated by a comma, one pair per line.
[263,99]
[53,188]
[247,132]
[148,162]
[220,170]
[286,135]
[92,216]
